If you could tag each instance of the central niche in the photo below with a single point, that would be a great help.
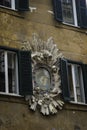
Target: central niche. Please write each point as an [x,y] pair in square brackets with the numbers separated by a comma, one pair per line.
[45,75]
[43,79]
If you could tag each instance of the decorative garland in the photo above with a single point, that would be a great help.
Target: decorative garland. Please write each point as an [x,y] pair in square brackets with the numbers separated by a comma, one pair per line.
[46,85]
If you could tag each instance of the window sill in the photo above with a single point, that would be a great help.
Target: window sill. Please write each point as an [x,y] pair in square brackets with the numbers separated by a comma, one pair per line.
[11,11]
[12,98]
[1,6]
[71,27]
[10,94]
[75,106]
[78,103]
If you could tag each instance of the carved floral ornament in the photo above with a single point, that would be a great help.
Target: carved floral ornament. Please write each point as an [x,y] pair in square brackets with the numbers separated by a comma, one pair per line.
[45,73]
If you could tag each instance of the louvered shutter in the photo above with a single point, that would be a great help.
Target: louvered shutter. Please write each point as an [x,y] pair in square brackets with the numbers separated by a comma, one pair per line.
[84,68]
[81,13]
[58,10]
[64,80]
[22,5]
[25,73]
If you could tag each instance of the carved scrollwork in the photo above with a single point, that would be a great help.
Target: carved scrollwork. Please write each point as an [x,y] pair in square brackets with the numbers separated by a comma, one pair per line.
[46,76]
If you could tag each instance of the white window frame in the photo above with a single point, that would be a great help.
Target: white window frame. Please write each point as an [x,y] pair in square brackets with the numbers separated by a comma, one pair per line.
[6,74]
[74,84]
[74,12]
[12,5]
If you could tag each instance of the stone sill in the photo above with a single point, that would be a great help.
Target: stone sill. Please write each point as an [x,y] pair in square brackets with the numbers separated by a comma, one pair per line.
[12,98]
[21,100]
[70,27]
[75,107]
[12,12]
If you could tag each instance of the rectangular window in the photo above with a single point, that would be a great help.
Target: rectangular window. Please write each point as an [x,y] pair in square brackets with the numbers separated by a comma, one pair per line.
[74,81]
[8,72]
[15,71]
[76,85]
[67,11]
[71,12]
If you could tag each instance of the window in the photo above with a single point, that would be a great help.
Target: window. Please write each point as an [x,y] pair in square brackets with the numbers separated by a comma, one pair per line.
[67,11]
[8,72]
[74,82]
[15,71]
[72,12]
[22,5]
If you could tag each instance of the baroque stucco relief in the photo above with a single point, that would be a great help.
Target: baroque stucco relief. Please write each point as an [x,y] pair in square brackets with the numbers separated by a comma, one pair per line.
[45,75]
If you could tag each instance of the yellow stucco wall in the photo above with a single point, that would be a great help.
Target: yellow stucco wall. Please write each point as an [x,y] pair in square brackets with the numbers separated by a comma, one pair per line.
[15,115]
[17,27]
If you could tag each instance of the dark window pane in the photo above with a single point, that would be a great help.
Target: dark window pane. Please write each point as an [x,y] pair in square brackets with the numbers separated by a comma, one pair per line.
[70,82]
[6,3]
[12,72]
[1,2]
[78,82]
[67,10]
[79,85]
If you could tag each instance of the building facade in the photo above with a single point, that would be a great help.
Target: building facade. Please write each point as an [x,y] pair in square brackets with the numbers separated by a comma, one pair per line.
[66,22]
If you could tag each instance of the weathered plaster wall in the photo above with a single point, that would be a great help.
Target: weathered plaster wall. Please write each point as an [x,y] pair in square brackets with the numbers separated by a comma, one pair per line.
[15,115]
[17,27]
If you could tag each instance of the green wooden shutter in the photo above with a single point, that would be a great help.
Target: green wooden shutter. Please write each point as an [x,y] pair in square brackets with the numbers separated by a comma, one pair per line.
[64,80]
[16,4]
[25,73]
[81,13]
[22,5]
[58,10]
[84,69]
